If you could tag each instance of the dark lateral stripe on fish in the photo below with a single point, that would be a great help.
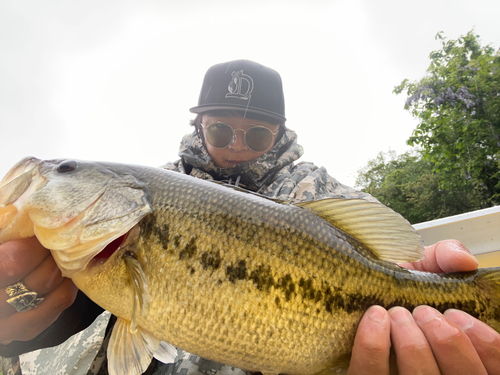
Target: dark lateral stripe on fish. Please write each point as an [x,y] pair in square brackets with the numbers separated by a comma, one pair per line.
[331,298]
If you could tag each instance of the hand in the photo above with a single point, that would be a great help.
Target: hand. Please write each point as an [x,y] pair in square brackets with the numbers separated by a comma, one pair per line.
[28,261]
[427,342]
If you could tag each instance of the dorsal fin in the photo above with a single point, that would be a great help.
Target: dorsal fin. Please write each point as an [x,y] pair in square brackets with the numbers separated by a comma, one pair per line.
[384,232]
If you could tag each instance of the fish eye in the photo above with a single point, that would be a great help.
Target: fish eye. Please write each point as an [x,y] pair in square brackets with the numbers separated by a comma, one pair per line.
[67,166]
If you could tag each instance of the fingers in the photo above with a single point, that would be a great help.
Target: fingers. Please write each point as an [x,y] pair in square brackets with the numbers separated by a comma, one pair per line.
[414,355]
[485,339]
[426,342]
[451,347]
[18,258]
[27,325]
[29,262]
[445,256]
[43,279]
[370,354]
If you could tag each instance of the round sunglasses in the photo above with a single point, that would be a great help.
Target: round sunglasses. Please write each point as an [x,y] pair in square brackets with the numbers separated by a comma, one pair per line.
[221,135]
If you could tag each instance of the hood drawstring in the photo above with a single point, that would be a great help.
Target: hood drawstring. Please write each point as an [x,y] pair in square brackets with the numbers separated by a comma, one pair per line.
[236,183]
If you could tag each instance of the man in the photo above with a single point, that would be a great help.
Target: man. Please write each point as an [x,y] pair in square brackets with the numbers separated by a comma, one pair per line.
[240,137]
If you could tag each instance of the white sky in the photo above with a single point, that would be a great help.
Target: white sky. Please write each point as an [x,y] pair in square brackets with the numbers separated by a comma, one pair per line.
[114,80]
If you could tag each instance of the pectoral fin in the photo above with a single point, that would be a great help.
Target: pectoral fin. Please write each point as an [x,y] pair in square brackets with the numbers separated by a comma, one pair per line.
[131,348]
[137,280]
[130,353]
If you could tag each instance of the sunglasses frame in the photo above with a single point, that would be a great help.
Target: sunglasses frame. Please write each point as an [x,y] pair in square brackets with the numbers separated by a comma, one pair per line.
[233,137]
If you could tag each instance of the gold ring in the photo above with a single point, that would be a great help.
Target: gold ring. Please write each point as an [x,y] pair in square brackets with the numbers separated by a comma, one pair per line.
[21,297]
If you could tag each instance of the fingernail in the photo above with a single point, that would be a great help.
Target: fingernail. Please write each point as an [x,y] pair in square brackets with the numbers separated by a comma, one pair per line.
[434,324]
[400,315]
[424,314]
[377,314]
[460,318]
[470,326]
[459,247]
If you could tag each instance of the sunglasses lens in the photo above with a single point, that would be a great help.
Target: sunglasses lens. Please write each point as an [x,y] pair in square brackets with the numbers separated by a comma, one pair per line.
[219,135]
[259,138]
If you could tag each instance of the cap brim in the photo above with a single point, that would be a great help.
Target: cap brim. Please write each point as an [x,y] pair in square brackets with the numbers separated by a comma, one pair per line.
[234,107]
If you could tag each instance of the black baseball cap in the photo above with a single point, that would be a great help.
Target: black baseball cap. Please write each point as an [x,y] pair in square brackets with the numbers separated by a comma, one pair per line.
[242,85]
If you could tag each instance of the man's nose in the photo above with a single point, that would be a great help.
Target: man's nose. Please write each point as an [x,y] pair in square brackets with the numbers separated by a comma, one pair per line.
[238,142]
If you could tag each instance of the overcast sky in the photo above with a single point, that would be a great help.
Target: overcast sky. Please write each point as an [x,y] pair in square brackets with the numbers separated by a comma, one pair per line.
[114,80]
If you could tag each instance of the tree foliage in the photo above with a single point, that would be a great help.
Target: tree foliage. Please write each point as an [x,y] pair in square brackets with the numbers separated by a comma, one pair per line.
[408,184]
[458,104]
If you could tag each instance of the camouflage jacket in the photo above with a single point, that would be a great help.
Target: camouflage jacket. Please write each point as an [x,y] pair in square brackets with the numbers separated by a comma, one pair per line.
[274,174]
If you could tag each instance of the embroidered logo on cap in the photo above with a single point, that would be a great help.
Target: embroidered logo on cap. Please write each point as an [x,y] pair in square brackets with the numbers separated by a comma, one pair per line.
[241,86]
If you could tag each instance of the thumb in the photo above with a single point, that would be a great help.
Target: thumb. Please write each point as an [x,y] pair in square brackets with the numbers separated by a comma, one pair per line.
[453,256]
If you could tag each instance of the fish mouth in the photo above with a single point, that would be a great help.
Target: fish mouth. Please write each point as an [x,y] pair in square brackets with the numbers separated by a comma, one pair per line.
[110,249]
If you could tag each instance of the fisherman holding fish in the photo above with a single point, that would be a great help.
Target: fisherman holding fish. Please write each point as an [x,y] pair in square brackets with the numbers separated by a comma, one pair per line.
[239,138]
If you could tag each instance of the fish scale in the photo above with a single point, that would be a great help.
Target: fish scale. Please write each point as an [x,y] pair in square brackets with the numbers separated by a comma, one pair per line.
[231,276]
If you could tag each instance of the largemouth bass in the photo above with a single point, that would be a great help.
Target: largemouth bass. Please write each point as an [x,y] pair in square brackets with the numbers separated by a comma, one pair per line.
[225,274]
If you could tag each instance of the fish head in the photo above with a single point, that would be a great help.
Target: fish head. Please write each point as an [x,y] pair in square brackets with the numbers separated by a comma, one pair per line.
[75,208]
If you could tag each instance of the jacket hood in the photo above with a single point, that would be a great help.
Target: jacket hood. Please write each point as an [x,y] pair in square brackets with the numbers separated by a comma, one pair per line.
[252,174]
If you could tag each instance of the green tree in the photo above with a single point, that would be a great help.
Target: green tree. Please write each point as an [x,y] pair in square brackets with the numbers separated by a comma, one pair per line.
[408,184]
[458,104]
